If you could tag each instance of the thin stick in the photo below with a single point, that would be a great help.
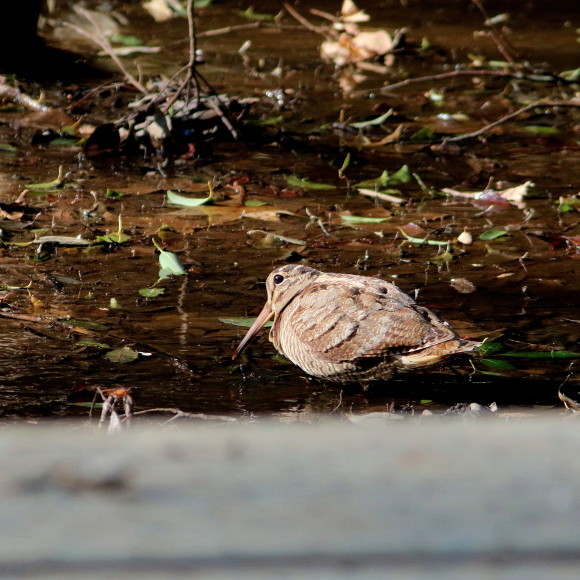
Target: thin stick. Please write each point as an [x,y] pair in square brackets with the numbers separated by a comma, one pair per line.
[486,128]
[180,413]
[99,38]
[501,42]
[43,320]
[19,98]
[470,73]
[229,29]
[304,22]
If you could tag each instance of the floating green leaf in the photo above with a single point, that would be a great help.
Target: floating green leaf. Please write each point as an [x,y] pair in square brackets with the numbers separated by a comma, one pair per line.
[169,262]
[55,183]
[345,165]
[126,40]
[542,129]
[571,75]
[111,194]
[359,219]
[380,181]
[61,142]
[151,292]
[443,258]
[255,203]
[497,364]
[251,15]
[244,321]
[122,355]
[176,199]
[424,134]
[401,176]
[490,347]
[295,181]
[117,237]
[493,235]
[94,344]
[568,204]
[114,304]
[371,122]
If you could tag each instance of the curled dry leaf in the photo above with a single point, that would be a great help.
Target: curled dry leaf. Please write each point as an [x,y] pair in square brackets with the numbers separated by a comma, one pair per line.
[465,238]
[513,195]
[463,285]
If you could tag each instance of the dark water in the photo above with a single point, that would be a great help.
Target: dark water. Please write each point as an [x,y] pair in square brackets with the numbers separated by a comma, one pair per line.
[527,282]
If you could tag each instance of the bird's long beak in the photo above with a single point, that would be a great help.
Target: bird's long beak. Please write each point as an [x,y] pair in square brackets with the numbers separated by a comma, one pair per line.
[263,317]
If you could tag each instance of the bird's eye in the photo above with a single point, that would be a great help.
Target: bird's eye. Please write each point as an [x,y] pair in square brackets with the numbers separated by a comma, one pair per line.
[278,279]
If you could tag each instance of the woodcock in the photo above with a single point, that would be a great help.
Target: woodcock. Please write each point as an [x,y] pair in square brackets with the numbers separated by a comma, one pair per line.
[347,328]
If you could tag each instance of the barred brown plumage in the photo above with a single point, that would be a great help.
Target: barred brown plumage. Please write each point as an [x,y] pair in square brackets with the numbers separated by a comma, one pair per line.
[344,327]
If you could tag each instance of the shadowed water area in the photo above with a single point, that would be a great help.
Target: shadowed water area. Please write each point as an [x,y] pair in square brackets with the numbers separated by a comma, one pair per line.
[522,285]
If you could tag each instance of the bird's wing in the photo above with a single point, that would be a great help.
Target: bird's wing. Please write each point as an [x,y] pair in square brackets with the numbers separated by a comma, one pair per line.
[341,322]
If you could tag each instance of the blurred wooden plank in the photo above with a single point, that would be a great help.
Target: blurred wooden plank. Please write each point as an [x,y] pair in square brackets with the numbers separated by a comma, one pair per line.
[430,499]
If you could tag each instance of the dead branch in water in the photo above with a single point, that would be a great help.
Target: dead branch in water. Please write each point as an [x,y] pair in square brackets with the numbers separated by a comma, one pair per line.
[474,73]
[486,128]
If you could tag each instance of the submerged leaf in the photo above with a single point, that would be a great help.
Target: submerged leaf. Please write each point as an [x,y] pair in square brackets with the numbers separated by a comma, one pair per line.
[259,16]
[295,181]
[493,235]
[122,355]
[94,344]
[151,292]
[497,364]
[244,321]
[490,347]
[424,134]
[542,130]
[359,219]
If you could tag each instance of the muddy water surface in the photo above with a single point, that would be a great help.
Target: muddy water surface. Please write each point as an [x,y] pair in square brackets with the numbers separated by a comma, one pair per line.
[526,281]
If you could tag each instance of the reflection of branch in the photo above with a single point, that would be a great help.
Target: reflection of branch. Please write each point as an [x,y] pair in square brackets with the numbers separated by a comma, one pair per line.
[100,39]
[471,73]
[486,128]
[501,42]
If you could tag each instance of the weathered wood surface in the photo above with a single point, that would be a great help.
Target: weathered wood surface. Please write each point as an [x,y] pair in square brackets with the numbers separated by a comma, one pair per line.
[432,499]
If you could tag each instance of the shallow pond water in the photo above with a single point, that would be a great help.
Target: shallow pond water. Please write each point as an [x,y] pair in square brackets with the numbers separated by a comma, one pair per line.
[527,282]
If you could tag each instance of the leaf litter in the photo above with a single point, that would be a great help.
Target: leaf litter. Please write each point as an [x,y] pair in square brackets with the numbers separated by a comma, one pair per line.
[218,262]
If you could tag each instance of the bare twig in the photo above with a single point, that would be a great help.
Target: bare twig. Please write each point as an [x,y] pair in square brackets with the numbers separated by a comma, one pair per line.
[506,50]
[229,29]
[17,97]
[179,413]
[486,128]
[470,73]
[318,29]
[43,320]
[101,40]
